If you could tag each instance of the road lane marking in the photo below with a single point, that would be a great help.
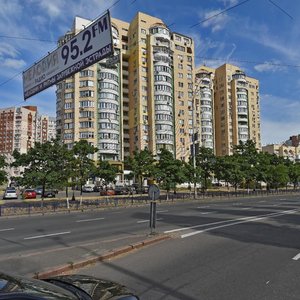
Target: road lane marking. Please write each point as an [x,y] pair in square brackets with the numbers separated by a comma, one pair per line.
[6,229]
[236,223]
[207,212]
[233,220]
[296,257]
[89,220]
[203,206]
[246,208]
[162,211]
[46,235]
[145,221]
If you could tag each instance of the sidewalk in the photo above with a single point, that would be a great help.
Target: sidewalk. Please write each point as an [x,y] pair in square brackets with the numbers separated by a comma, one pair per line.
[65,259]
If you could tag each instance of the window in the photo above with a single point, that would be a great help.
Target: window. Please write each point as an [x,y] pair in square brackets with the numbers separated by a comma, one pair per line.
[86,73]
[143,31]
[180,84]
[180,75]
[86,93]
[69,95]
[84,83]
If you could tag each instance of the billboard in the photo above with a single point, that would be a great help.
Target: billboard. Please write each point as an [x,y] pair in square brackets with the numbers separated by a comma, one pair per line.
[89,46]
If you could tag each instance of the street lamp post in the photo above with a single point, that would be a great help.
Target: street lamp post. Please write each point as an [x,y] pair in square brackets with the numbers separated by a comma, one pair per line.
[195,92]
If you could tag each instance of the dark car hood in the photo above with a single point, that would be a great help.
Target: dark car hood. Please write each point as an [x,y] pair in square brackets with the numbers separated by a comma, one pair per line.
[98,289]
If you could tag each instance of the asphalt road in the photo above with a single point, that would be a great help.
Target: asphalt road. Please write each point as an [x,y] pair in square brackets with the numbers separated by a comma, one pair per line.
[243,249]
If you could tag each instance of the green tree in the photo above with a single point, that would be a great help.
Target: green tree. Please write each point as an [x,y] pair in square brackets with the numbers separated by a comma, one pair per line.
[83,166]
[294,173]
[42,165]
[3,174]
[106,171]
[247,154]
[142,165]
[205,160]
[170,171]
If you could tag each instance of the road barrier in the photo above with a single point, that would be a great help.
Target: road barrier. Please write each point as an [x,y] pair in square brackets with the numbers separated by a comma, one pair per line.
[52,206]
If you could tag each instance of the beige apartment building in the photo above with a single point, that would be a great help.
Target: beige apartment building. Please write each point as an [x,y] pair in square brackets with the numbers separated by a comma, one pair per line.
[236,109]
[17,129]
[45,128]
[287,151]
[142,98]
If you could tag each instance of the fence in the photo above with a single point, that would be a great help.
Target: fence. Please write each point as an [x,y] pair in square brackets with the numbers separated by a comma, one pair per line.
[51,206]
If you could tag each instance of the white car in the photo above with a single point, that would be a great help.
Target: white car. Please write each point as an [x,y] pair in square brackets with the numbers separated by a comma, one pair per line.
[88,188]
[10,193]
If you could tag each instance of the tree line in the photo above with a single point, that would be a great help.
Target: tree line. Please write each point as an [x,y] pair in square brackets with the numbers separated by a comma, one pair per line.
[52,164]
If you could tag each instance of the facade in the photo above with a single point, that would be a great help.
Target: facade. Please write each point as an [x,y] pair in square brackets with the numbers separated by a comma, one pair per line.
[17,129]
[290,152]
[20,128]
[204,107]
[237,109]
[142,99]
[45,128]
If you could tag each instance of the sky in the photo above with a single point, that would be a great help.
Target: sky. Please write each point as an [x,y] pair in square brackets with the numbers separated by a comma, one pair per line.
[262,37]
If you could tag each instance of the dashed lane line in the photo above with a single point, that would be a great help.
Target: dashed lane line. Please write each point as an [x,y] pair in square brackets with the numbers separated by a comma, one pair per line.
[46,235]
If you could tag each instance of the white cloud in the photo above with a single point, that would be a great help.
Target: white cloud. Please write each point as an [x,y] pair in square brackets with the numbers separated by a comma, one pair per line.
[216,23]
[229,2]
[270,66]
[14,63]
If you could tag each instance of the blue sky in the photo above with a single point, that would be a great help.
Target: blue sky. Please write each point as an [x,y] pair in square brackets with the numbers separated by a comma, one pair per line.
[260,36]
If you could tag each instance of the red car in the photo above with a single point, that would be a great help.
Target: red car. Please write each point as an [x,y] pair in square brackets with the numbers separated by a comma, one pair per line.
[29,194]
[108,192]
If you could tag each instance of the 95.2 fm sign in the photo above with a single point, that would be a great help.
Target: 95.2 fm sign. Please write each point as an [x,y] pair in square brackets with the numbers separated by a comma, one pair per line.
[84,49]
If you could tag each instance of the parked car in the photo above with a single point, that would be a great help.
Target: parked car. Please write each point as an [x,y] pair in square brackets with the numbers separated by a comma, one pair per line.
[48,194]
[39,190]
[29,194]
[121,190]
[97,188]
[88,188]
[10,193]
[107,192]
[71,287]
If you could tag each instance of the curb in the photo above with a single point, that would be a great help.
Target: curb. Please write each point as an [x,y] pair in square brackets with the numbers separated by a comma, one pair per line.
[105,256]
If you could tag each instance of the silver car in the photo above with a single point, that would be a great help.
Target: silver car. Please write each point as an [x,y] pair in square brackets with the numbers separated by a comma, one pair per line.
[10,193]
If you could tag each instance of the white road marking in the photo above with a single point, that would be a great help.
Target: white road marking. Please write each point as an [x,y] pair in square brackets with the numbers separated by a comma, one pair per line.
[162,211]
[246,208]
[203,206]
[46,235]
[159,219]
[262,201]
[207,212]
[6,229]
[296,257]
[236,223]
[142,221]
[233,220]
[89,220]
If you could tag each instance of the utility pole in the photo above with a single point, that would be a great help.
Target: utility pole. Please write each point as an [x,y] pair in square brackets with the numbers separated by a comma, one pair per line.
[195,92]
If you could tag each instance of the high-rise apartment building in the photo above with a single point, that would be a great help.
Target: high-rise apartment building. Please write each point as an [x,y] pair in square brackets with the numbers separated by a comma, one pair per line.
[237,109]
[204,108]
[17,129]
[45,128]
[142,98]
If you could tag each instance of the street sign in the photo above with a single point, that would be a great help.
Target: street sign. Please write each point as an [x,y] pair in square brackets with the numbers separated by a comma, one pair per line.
[153,192]
[86,48]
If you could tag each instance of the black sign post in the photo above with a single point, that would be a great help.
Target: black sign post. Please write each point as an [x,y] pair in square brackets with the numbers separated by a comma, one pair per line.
[153,194]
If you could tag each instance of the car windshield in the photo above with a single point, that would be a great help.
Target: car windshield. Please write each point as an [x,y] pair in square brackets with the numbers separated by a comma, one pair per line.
[34,287]
[10,190]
